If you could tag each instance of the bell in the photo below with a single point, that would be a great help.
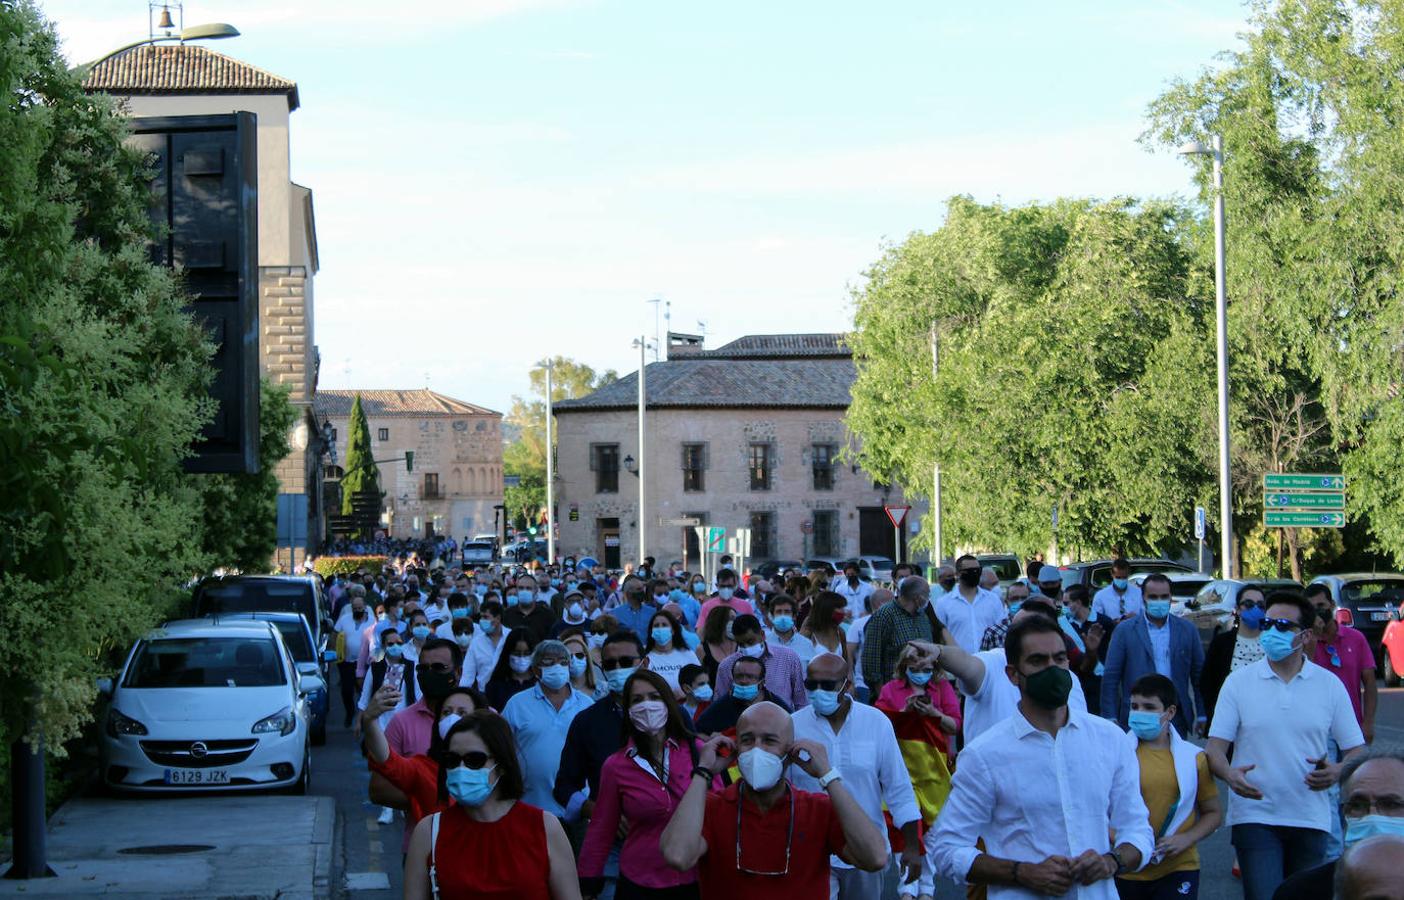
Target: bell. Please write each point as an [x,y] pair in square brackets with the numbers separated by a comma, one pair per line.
[165,22]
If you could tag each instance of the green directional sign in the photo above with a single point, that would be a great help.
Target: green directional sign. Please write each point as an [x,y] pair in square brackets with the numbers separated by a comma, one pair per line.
[1278,519]
[716,540]
[1299,500]
[1287,481]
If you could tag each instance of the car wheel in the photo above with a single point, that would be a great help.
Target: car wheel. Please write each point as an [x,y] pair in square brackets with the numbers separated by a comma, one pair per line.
[1391,677]
[300,787]
[319,734]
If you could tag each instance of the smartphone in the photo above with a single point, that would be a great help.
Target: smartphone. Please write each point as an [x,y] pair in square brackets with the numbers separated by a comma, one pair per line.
[395,677]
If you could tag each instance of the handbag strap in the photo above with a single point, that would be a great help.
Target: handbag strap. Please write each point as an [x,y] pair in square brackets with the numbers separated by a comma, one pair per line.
[433,855]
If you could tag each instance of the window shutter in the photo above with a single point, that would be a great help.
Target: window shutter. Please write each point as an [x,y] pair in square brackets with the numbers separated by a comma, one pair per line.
[594,458]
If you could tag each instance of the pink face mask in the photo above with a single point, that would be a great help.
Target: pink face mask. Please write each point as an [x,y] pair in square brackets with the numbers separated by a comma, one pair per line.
[649,716]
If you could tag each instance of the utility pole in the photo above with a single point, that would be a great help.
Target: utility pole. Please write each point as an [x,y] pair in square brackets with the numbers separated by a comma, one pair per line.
[550,469]
[936,467]
[642,343]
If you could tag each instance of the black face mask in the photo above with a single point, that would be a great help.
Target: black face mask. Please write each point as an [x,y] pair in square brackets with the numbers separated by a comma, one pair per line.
[635,596]
[969,577]
[853,581]
[947,583]
[1049,688]
[437,685]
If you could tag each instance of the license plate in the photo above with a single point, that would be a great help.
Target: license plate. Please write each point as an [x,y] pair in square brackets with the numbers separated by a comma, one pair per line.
[197,776]
[1379,617]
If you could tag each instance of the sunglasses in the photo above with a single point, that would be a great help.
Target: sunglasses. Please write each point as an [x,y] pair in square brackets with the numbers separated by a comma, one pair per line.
[823,684]
[619,662]
[473,759]
[1286,625]
[1249,604]
[435,668]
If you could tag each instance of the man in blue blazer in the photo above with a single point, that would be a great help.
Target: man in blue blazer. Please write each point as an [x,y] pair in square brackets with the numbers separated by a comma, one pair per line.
[1155,641]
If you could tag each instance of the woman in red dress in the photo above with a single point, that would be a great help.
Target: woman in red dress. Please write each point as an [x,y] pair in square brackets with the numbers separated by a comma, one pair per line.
[488,844]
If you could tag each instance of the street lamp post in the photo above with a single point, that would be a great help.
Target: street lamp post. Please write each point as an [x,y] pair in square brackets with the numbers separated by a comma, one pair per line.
[936,467]
[211,31]
[1215,150]
[550,473]
[642,343]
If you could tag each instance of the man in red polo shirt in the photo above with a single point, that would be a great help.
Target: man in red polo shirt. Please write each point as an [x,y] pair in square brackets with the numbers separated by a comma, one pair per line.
[761,838]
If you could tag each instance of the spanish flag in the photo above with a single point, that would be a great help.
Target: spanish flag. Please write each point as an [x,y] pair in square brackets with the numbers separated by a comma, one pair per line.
[924,749]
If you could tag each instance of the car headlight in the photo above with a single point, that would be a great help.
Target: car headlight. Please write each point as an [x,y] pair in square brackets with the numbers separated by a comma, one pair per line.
[118,724]
[281,722]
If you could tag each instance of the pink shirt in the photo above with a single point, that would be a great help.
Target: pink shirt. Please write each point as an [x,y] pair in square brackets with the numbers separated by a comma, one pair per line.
[894,694]
[630,792]
[742,607]
[1353,651]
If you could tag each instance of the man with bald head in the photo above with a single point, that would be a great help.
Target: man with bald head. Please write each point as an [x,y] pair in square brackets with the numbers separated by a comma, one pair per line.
[761,838]
[863,747]
[1370,870]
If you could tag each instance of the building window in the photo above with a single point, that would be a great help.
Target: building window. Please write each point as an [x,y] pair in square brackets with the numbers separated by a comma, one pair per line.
[760,467]
[826,537]
[431,486]
[694,465]
[382,434]
[762,524]
[333,435]
[823,455]
[604,462]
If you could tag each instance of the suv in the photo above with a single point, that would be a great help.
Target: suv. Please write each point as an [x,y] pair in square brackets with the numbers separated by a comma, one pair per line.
[1097,574]
[479,553]
[267,593]
[310,660]
[772,569]
[1365,602]
[1213,608]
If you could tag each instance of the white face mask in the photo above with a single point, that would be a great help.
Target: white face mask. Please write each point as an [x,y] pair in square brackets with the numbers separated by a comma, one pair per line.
[754,651]
[446,723]
[761,768]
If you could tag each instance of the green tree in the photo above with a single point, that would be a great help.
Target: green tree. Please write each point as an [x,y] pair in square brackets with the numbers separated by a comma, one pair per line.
[241,511]
[362,474]
[103,388]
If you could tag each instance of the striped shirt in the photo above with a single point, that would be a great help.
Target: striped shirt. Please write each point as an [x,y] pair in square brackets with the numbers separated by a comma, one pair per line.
[887,632]
[784,675]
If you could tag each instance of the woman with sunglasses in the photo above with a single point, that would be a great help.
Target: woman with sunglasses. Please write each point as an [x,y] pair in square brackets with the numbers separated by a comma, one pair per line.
[1231,650]
[642,784]
[487,844]
[415,776]
[585,676]
[512,674]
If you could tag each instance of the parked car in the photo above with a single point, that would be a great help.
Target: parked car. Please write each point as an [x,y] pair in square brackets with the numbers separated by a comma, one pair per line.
[479,553]
[1212,609]
[310,660]
[1006,566]
[1183,587]
[833,563]
[874,568]
[267,593]
[200,705]
[1392,648]
[1366,601]
[772,569]
[1096,574]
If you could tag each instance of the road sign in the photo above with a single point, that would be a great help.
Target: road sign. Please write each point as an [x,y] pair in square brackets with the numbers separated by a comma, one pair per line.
[683,522]
[896,514]
[1199,523]
[716,540]
[1304,500]
[1279,519]
[1328,481]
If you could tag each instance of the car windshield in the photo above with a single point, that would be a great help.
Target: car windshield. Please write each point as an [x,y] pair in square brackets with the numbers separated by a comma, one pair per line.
[1186,588]
[1355,591]
[205,662]
[477,547]
[295,636]
[1007,569]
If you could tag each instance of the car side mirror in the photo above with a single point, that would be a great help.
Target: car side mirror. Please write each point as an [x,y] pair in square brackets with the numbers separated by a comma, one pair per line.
[104,686]
[307,668]
[306,685]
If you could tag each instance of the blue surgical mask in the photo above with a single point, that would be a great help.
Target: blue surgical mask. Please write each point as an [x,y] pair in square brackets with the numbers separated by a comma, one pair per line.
[525,596]
[555,582]
[754,651]
[824,702]
[661,635]
[784,623]
[699,587]
[1145,725]
[703,693]
[471,787]
[510,600]
[480,589]
[725,593]
[1157,609]
[919,679]
[421,631]
[395,651]
[1277,645]
[616,679]
[1014,607]
[1119,583]
[1253,618]
[745,692]
[459,612]
[555,677]
[1364,827]
[577,666]
[487,626]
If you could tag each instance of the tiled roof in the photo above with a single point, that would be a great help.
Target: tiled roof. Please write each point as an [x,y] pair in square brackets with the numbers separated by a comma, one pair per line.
[797,383]
[770,346]
[383,404]
[183,69]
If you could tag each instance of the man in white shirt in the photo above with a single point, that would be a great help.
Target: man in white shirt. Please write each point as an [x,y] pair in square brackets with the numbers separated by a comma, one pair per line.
[1121,599]
[969,609]
[485,648]
[783,633]
[351,627]
[852,589]
[1044,788]
[863,748]
[1277,715]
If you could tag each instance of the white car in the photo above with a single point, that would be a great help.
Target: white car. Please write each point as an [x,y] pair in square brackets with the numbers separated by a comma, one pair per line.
[200,705]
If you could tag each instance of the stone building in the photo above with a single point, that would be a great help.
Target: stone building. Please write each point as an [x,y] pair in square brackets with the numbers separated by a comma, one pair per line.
[190,80]
[457,477]
[748,435]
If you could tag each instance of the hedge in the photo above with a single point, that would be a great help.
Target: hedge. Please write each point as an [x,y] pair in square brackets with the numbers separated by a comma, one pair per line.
[328,566]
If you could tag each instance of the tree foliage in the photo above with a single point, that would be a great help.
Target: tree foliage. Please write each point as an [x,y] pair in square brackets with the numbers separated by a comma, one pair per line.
[362,474]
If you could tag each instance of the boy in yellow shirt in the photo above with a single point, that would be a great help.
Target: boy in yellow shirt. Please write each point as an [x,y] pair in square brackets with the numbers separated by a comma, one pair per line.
[1178,791]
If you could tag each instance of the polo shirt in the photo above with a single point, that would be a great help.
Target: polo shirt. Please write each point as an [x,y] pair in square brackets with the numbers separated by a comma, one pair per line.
[1277,726]
[765,841]
[1355,658]
[540,730]
[637,622]
[538,621]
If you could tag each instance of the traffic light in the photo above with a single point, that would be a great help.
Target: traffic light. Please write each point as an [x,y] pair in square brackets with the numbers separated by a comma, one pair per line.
[531,529]
[409,460]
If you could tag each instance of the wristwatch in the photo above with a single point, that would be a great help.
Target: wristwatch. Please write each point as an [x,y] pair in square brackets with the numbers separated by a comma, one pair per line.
[1120,866]
[829,778]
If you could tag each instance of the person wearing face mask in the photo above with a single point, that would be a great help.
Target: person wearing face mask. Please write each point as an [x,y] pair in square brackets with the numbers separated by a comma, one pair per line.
[585,676]
[667,651]
[1073,773]
[727,595]
[1178,790]
[783,632]
[969,609]
[860,741]
[457,611]
[1277,716]
[907,618]
[945,578]
[540,718]
[642,783]
[572,616]
[527,612]
[853,649]
[747,689]
[761,837]
[853,589]
[784,673]
[688,602]
[1372,803]
[1014,598]
[697,691]
[392,665]
[512,674]
[595,733]
[418,631]
[1155,642]
[1231,650]
[352,628]
[459,853]
[484,647]
[1120,600]
[635,612]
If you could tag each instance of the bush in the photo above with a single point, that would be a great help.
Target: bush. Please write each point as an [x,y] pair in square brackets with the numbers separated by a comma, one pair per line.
[327,566]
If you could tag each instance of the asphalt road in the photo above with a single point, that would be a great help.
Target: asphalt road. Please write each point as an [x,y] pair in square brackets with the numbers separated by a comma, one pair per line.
[367,859]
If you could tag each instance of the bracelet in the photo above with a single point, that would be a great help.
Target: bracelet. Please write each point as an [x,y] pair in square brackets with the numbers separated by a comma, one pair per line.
[704,772]
[1015,875]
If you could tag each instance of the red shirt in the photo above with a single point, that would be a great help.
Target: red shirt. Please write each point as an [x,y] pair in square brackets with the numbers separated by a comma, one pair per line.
[472,859]
[1355,658]
[418,777]
[817,834]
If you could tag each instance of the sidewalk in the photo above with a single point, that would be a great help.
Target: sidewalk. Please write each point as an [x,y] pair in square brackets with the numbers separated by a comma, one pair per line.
[246,847]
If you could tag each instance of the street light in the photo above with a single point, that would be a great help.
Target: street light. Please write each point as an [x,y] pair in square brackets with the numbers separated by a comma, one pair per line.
[642,343]
[210,31]
[1215,150]
[550,471]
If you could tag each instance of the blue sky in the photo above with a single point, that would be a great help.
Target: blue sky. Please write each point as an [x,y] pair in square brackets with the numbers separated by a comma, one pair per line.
[501,180]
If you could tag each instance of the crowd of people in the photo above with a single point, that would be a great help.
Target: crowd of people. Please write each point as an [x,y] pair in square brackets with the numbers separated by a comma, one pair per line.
[562,731]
